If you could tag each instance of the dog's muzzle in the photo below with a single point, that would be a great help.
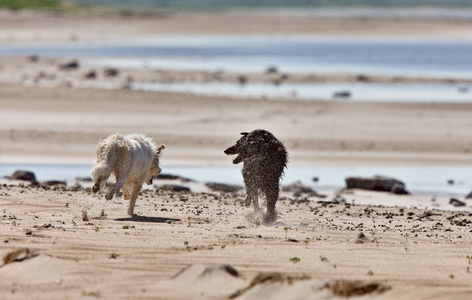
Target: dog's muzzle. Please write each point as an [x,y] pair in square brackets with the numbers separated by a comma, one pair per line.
[232,151]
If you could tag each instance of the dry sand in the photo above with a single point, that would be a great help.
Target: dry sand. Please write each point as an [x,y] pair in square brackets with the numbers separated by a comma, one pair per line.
[406,253]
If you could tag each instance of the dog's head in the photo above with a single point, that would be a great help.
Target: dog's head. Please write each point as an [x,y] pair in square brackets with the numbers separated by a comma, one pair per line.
[250,144]
[155,169]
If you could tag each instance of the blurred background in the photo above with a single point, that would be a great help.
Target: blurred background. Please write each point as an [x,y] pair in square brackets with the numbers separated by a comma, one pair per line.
[395,52]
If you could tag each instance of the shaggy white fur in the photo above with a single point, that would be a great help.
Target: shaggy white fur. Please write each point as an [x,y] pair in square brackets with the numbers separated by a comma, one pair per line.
[133,159]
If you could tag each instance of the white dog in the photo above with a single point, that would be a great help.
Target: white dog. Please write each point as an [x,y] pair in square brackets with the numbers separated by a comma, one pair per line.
[133,159]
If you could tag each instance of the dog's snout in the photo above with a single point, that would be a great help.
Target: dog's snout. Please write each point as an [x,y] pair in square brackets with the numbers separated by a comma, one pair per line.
[231,150]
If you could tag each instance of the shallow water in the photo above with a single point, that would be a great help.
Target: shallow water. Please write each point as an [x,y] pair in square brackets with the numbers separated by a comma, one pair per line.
[419,180]
[313,54]
[358,92]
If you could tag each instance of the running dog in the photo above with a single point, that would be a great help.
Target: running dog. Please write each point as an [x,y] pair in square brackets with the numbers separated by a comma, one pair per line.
[265,159]
[133,159]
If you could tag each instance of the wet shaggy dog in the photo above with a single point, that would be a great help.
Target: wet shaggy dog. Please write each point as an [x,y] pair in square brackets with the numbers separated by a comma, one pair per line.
[133,159]
[265,159]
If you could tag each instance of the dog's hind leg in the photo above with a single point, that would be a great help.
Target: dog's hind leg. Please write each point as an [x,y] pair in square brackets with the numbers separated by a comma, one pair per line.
[272,195]
[134,196]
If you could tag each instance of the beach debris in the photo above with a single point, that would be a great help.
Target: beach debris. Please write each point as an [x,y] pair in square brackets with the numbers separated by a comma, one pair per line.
[223,187]
[23,175]
[85,217]
[200,279]
[74,64]
[19,255]
[456,202]
[377,183]
[361,238]
[349,288]
[111,72]
[268,279]
[342,94]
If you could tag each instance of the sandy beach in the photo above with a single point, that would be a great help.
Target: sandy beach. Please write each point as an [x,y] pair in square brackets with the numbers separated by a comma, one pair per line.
[205,244]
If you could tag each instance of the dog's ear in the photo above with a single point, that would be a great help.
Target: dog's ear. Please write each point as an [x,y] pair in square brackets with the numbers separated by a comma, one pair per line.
[161,147]
[244,133]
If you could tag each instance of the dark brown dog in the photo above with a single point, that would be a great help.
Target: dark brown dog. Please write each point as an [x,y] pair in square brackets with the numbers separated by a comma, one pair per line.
[265,159]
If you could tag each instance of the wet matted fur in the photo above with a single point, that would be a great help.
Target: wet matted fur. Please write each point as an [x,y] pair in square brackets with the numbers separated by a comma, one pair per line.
[133,159]
[265,159]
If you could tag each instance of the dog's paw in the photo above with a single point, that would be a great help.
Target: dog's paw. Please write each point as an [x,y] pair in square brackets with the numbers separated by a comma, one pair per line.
[270,218]
[95,188]
[109,196]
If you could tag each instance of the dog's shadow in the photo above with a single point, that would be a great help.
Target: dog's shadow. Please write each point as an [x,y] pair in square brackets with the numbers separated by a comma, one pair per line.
[145,219]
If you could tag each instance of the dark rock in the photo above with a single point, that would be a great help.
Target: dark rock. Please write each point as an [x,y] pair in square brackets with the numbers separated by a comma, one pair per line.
[362,78]
[174,188]
[91,75]
[469,196]
[298,187]
[84,179]
[342,94]
[23,175]
[53,183]
[242,80]
[376,183]
[222,187]
[456,202]
[450,182]
[315,179]
[33,58]
[163,176]
[111,72]
[272,69]
[399,190]
[69,65]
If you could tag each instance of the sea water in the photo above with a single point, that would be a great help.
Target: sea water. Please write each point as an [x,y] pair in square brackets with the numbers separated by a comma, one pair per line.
[421,180]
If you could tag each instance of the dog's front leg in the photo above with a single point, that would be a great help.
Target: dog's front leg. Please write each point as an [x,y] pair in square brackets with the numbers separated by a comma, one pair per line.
[120,182]
[125,191]
[134,196]
[252,197]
